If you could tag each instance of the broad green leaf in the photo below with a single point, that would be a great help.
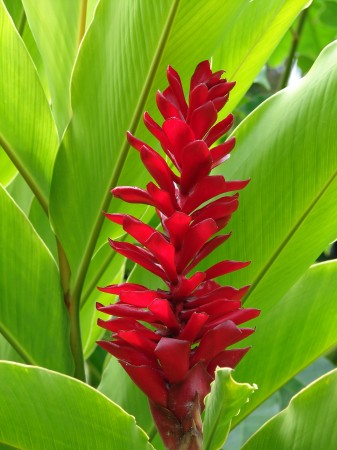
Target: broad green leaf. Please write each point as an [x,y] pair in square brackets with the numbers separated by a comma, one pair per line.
[288,147]
[308,423]
[290,336]
[33,317]
[15,9]
[118,386]
[27,131]
[241,433]
[247,46]
[78,416]
[110,93]
[221,405]
[58,40]
[106,87]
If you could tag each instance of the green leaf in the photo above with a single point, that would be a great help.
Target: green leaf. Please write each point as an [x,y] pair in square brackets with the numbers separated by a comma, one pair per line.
[27,131]
[110,93]
[57,40]
[284,342]
[221,405]
[285,219]
[329,13]
[40,222]
[262,24]
[29,283]
[106,88]
[279,400]
[15,9]
[78,415]
[21,193]
[7,352]
[300,425]
[7,169]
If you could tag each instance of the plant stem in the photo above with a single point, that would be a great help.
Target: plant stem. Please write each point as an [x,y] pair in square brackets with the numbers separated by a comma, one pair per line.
[73,301]
[74,314]
[75,339]
[296,39]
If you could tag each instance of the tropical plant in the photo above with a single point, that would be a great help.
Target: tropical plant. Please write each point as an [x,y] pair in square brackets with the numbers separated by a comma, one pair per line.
[74,77]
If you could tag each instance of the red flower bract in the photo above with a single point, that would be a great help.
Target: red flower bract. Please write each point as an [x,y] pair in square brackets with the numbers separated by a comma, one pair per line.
[170,341]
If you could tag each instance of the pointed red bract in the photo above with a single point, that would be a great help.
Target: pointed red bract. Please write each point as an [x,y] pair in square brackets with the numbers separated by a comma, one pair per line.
[171,341]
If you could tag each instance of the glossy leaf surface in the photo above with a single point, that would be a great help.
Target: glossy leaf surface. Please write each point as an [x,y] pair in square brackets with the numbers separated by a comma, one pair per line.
[309,422]
[31,297]
[27,130]
[284,220]
[58,40]
[296,331]
[245,47]
[222,404]
[78,416]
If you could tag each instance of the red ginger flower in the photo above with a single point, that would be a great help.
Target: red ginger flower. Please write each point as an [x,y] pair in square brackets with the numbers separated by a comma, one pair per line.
[193,322]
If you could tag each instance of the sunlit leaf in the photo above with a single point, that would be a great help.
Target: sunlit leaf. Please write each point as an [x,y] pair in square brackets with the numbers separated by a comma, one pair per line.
[33,317]
[78,416]
[296,331]
[288,147]
[221,405]
[110,93]
[58,40]
[27,130]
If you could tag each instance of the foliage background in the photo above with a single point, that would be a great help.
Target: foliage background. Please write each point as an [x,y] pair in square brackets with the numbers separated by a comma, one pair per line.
[73,77]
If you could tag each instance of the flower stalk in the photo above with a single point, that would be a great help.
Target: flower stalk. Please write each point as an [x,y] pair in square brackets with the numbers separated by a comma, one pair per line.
[171,340]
